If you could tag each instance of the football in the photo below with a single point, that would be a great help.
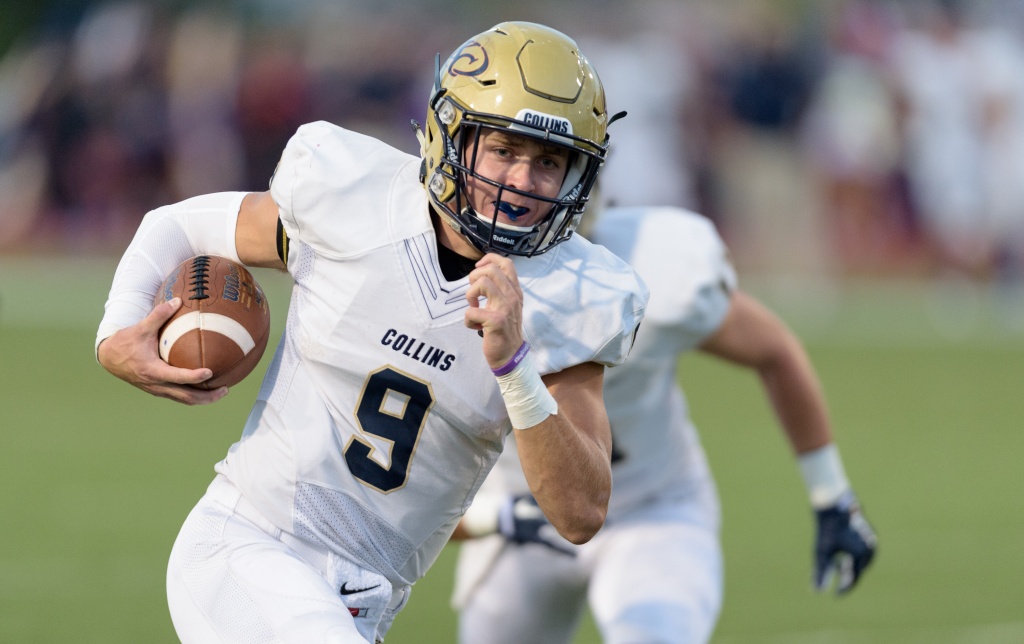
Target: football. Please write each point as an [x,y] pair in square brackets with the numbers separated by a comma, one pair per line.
[223,322]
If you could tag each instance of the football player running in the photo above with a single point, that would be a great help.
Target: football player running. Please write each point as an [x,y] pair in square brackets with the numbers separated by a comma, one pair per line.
[654,572]
[381,413]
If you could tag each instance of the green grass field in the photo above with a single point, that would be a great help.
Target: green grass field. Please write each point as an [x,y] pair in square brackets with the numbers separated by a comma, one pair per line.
[96,477]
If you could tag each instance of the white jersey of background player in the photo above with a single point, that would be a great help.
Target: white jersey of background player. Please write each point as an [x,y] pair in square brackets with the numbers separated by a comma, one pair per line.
[382,413]
[654,572]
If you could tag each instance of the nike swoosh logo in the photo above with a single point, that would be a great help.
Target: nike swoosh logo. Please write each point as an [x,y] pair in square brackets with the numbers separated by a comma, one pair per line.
[345,590]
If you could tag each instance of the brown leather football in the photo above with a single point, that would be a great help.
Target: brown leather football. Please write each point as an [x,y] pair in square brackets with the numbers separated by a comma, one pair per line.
[223,322]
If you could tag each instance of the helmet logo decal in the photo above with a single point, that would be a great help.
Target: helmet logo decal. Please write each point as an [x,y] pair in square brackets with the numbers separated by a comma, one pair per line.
[470,60]
[541,121]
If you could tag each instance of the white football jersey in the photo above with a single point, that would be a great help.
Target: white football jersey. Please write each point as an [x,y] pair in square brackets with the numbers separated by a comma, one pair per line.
[379,417]
[657,452]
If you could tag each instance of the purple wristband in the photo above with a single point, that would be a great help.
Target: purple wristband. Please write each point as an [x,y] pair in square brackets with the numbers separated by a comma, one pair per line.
[514,362]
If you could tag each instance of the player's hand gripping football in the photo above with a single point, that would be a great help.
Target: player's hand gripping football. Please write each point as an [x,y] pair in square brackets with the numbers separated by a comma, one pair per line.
[845,545]
[500,318]
[520,520]
[132,355]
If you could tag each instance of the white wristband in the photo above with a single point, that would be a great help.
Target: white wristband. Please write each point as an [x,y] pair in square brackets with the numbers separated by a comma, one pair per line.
[824,476]
[527,399]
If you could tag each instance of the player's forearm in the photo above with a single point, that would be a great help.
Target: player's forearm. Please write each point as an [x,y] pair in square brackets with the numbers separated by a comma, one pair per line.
[167,237]
[569,475]
[796,394]
[564,441]
[797,398]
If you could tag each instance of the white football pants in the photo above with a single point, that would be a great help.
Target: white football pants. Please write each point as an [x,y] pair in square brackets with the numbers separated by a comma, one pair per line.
[654,576]
[234,577]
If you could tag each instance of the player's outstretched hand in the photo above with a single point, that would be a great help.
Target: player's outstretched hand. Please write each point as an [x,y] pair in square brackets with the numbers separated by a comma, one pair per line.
[132,355]
[520,520]
[845,545]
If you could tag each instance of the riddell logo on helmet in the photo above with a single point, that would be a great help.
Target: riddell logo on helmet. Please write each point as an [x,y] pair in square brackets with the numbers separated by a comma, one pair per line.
[541,121]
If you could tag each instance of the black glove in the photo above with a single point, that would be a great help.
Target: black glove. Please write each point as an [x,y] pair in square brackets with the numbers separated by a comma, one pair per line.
[846,544]
[521,521]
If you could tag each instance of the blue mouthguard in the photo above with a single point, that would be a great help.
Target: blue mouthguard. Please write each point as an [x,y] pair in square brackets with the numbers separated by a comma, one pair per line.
[513,212]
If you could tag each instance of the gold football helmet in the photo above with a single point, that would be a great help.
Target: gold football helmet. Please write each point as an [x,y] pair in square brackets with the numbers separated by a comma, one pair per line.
[530,80]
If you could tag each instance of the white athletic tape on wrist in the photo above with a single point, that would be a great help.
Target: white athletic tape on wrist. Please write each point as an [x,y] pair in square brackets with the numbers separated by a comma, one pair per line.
[481,519]
[824,476]
[527,399]
[166,237]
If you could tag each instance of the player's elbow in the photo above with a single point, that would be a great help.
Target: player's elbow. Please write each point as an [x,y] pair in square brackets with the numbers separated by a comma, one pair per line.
[583,523]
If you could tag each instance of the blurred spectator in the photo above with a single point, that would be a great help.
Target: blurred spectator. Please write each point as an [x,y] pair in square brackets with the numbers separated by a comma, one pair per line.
[25,74]
[273,101]
[102,126]
[850,134]
[764,83]
[204,61]
[648,73]
[938,66]
[1001,55]
[846,144]
[372,75]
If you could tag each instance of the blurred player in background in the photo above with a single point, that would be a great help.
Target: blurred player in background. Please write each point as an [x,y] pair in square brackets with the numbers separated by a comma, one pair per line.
[654,572]
[382,413]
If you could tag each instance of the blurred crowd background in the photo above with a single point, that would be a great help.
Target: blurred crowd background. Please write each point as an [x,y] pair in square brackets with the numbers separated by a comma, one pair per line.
[868,138]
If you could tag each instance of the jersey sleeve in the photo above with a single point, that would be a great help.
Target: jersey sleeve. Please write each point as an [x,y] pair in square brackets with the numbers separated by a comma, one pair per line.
[333,188]
[683,260]
[583,304]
